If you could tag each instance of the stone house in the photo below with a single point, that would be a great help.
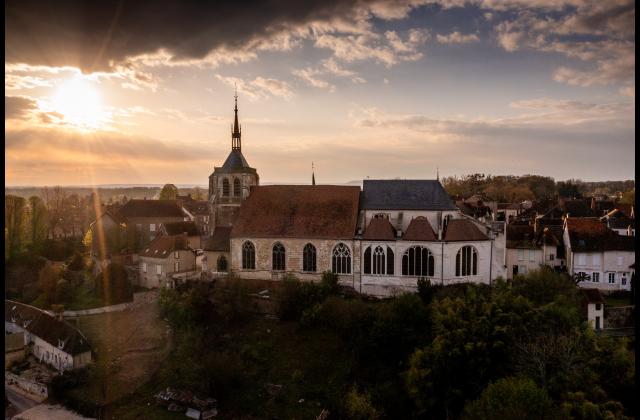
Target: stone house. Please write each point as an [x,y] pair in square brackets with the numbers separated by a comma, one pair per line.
[298,229]
[144,217]
[163,257]
[50,340]
[189,229]
[598,252]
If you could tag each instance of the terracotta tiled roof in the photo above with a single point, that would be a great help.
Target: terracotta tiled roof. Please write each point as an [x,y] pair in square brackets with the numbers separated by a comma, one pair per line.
[177,228]
[590,234]
[298,211]
[463,230]
[151,208]
[419,229]
[219,241]
[163,246]
[379,229]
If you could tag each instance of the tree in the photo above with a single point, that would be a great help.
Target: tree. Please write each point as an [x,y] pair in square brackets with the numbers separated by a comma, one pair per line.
[629,197]
[426,290]
[112,285]
[511,399]
[47,283]
[358,406]
[198,194]
[569,188]
[580,277]
[37,222]
[169,192]
[14,222]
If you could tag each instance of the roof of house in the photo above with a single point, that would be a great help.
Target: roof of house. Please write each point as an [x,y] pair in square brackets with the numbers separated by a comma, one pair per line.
[197,207]
[577,208]
[592,295]
[463,230]
[47,327]
[590,234]
[177,228]
[219,241]
[151,208]
[625,208]
[163,246]
[298,211]
[396,194]
[419,229]
[235,162]
[379,229]
[520,236]
[473,210]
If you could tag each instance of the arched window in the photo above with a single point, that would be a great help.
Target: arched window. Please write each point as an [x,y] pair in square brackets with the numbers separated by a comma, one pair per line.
[390,261]
[341,259]
[309,258]
[278,257]
[467,262]
[367,260]
[418,261]
[378,261]
[225,187]
[222,263]
[248,256]
[236,187]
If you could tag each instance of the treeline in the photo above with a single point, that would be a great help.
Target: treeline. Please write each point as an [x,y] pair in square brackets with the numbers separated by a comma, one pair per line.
[512,351]
[107,195]
[509,188]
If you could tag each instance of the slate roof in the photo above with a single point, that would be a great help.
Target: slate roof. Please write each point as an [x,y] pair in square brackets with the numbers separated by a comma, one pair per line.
[47,327]
[463,230]
[379,229]
[590,234]
[163,246]
[219,241]
[577,208]
[395,194]
[235,163]
[177,228]
[419,229]
[151,208]
[298,211]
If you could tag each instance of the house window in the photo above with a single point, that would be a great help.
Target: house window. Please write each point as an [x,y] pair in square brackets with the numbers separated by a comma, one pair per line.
[467,262]
[623,280]
[418,261]
[222,263]
[532,255]
[595,277]
[521,255]
[158,269]
[248,256]
[309,258]
[598,306]
[236,187]
[612,277]
[341,259]
[225,187]
[144,267]
[152,227]
[522,269]
[176,266]
[278,257]
[176,255]
[551,257]
[596,260]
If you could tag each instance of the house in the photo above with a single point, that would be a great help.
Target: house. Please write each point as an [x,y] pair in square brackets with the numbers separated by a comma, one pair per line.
[201,212]
[593,308]
[106,237]
[524,253]
[50,340]
[476,209]
[216,251]
[551,241]
[508,211]
[144,217]
[189,228]
[598,252]
[164,257]
[298,229]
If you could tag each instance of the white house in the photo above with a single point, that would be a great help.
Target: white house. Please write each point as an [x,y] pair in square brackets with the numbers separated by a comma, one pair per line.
[593,308]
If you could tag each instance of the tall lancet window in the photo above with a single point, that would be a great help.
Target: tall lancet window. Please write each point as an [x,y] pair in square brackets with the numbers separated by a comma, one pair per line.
[467,262]
[278,257]
[309,258]
[225,187]
[248,256]
[341,260]
[237,189]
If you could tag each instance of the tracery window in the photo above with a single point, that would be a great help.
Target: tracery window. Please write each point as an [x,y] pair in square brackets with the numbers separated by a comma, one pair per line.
[248,256]
[236,187]
[225,187]
[278,257]
[341,259]
[418,261]
[378,261]
[467,262]
[309,258]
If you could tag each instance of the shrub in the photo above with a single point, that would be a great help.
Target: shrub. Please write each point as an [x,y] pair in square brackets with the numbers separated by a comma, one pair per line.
[426,290]
[358,406]
[330,283]
[294,297]
[76,263]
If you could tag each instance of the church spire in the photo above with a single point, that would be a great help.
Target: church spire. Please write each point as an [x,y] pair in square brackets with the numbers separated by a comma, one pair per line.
[313,175]
[235,131]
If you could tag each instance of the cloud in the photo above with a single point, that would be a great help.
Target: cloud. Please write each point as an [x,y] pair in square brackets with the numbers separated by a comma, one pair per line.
[18,107]
[260,87]
[457,38]
[308,76]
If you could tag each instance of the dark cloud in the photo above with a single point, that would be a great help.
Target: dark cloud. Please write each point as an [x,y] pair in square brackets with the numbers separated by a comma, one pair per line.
[18,107]
[91,34]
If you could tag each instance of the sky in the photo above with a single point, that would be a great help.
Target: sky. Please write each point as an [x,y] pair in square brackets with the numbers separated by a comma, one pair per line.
[139,92]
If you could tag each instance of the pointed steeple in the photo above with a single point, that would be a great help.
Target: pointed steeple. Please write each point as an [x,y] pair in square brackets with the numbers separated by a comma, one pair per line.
[313,175]
[235,130]
[437,174]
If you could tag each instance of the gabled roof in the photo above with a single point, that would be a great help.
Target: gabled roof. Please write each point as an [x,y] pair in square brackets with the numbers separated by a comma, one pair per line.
[219,241]
[419,229]
[178,228]
[463,230]
[396,194]
[379,229]
[151,208]
[46,327]
[298,211]
[590,234]
[163,246]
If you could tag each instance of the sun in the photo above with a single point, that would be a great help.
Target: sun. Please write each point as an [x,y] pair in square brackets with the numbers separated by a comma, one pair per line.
[80,103]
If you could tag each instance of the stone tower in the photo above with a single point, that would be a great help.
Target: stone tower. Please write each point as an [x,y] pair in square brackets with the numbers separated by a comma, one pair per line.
[230,183]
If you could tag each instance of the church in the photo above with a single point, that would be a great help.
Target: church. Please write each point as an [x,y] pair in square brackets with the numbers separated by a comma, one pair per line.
[379,239]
